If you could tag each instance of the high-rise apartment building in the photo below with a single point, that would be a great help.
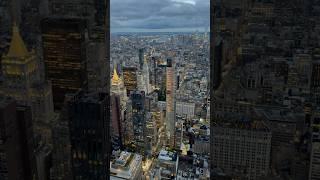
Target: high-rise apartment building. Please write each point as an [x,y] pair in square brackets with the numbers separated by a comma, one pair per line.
[89,135]
[64,54]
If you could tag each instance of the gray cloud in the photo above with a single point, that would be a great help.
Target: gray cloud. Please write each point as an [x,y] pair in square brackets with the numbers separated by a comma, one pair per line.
[159,14]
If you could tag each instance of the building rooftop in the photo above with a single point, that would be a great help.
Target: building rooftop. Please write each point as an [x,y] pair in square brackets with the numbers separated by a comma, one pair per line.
[123,159]
[126,165]
[167,155]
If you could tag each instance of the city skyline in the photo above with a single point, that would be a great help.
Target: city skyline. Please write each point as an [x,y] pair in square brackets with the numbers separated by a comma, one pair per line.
[163,94]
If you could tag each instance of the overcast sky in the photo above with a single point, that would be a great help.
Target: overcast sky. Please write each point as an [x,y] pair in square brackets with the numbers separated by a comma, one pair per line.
[159,15]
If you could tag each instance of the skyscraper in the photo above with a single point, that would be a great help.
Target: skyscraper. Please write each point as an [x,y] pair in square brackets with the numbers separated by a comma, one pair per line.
[143,78]
[97,66]
[24,119]
[141,58]
[127,124]
[118,101]
[22,81]
[138,118]
[116,122]
[10,149]
[153,69]
[89,134]
[170,99]
[130,79]
[61,155]
[93,11]
[61,152]
[101,12]
[16,141]
[217,64]
[117,86]
[146,75]
[20,70]
[64,54]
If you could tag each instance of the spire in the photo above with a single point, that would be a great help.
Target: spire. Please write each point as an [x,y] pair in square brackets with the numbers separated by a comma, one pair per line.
[17,46]
[115,77]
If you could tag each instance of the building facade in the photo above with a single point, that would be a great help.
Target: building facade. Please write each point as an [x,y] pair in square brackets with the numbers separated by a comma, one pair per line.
[89,135]
[17,160]
[130,79]
[139,120]
[241,149]
[63,42]
[314,170]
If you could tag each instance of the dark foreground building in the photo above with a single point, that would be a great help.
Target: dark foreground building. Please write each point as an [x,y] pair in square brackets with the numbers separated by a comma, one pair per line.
[89,135]
[17,160]
[64,54]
